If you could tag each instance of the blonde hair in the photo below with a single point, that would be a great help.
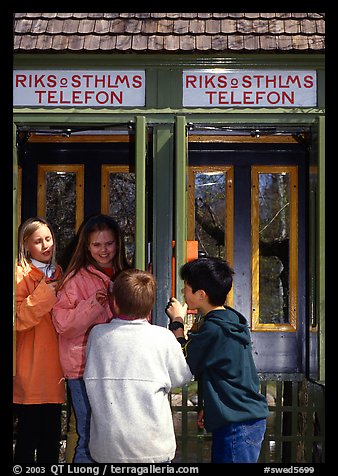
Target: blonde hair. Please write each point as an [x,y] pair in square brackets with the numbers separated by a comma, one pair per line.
[134,292]
[26,229]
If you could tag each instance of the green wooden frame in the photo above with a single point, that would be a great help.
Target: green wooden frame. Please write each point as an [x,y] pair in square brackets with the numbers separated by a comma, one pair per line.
[180,214]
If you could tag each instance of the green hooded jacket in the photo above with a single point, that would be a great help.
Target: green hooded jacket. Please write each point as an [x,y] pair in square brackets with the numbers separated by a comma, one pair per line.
[219,354]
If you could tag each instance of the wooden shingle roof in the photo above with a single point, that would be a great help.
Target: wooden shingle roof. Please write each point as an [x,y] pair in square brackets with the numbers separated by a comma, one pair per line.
[169,32]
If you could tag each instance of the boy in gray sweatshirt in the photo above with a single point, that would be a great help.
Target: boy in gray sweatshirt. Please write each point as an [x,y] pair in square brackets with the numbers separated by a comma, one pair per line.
[131,367]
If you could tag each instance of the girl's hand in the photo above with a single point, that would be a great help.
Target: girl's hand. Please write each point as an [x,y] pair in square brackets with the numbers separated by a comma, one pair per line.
[52,286]
[102,296]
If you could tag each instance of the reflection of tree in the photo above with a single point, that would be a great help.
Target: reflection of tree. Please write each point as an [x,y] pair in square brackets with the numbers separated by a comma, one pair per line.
[122,206]
[61,207]
[274,238]
[274,227]
[122,200]
[208,221]
[279,249]
[210,212]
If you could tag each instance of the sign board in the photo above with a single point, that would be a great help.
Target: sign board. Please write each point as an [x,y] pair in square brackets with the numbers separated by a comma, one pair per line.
[249,88]
[57,88]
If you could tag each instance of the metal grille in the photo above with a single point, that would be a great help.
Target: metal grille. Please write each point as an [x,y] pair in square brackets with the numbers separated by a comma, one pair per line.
[295,425]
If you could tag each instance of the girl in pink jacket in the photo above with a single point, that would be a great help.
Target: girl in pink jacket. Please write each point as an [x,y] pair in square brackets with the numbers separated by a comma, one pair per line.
[82,302]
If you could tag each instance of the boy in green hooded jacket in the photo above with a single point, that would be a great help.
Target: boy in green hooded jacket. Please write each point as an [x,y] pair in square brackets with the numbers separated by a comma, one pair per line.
[219,354]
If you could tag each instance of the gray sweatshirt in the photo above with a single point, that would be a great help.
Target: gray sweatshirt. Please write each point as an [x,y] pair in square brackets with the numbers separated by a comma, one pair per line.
[131,366]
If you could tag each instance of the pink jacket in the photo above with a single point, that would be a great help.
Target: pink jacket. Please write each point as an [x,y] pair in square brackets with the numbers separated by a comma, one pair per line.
[75,312]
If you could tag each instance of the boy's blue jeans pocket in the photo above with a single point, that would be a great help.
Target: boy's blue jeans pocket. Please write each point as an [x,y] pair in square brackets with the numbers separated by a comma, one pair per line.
[238,442]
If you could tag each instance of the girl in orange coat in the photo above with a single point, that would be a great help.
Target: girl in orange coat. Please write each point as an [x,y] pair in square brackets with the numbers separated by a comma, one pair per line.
[39,387]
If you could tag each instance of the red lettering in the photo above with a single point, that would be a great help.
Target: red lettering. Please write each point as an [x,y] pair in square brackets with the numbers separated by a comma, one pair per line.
[20,80]
[190,81]
[281,84]
[209,81]
[88,95]
[291,98]
[222,81]
[222,97]
[39,81]
[247,97]
[87,78]
[105,97]
[99,80]
[233,100]
[258,78]
[77,97]
[246,81]
[51,97]
[51,81]
[118,98]
[76,81]
[293,80]
[137,81]
[122,79]
[259,96]
[211,95]
[62,99]
[111,84]
[272,80]
[40,94]
[308,81]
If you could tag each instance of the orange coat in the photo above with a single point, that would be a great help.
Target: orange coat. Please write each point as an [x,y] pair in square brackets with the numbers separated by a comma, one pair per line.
[39,377]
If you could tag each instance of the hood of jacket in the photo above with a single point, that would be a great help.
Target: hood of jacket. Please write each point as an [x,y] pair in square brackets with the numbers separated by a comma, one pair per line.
[232,322]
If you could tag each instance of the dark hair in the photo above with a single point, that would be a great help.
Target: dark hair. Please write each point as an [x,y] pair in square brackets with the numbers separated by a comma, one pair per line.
[212,275]
[82,258]
[134,292]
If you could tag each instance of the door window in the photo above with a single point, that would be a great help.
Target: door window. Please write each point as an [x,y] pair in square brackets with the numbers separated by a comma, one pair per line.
[60,199]
[274,216]
[210,215]
[118,200]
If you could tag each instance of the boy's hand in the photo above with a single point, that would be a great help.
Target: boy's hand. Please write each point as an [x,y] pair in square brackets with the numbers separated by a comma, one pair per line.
[200,419]
[175,309]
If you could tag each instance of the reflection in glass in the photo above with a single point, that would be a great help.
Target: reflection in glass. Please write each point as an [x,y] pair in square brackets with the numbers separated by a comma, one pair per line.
[274,237]
[61,206]
[210,206]
[122,207]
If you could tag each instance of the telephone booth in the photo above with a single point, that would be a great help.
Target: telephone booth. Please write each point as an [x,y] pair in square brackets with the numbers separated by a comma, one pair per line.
[201,141]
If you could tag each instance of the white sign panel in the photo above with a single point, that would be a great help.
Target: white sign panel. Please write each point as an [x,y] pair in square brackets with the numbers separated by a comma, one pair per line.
[251,88]
[78,88]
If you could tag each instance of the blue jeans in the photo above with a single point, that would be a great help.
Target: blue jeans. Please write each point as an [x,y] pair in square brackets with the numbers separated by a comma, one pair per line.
[82,411]
[238,442]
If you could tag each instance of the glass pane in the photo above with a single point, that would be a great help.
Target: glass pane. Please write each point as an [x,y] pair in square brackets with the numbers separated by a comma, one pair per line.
[274,235]
[210,209]
[61,206]
[122,206]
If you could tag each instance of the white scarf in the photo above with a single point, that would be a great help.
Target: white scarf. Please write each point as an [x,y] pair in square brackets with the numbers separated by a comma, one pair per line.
[47,268]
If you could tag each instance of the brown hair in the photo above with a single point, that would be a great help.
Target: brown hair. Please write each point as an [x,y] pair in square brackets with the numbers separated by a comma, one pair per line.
[82,258]
[134,292]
